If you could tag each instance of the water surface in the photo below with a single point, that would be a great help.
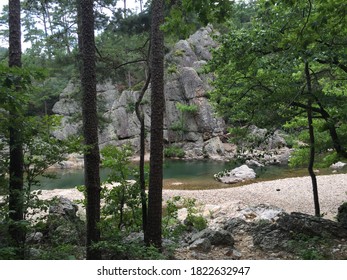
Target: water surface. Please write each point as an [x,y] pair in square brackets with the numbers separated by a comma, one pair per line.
[183,174]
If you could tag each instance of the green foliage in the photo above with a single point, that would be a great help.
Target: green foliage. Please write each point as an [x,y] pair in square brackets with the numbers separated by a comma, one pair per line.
[121,219]
[299,157]
[7,253]
[193,219]
[323,143]
[16,85]
[41,151]
[185,110]
[122,58]
[59,252]
[120,247]
[4,163]
[244,138]
[122,199]
[130,107]
[310,247]
[178,126]
[187,16]
[172,226]
[179,53]
[260,68]
[174,152]
[40,148]
[172,69]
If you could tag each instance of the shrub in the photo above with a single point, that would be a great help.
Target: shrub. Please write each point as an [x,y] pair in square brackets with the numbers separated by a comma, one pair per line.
[174,152]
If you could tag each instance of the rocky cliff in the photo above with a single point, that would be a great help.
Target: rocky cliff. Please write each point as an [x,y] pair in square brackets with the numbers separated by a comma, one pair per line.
[190,122]
[196,131]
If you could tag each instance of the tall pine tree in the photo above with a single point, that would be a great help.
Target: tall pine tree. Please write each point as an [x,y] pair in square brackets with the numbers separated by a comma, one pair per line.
[15,145]
[153,229]
[90,125]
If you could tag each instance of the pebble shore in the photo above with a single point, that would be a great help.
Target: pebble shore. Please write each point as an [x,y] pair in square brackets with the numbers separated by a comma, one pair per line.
[290,194]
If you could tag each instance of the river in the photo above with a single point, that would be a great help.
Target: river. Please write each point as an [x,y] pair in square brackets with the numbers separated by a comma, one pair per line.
[182,174]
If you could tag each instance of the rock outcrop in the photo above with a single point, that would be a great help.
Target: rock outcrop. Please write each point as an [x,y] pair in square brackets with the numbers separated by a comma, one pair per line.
[267,232]
[195,132]
[198,131]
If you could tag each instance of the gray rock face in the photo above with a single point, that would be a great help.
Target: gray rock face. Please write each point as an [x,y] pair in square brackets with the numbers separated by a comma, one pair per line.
[214,148]
[260,212]
[275,235]
[273,229]
[64,207]
[184,85]
[63,225]
[310,225]
[35,237]
[216,237]
[239,174]
[198,132]
[203,241]
[202,245]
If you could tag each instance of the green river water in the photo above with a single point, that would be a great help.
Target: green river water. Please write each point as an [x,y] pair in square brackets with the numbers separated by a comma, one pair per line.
[181,174]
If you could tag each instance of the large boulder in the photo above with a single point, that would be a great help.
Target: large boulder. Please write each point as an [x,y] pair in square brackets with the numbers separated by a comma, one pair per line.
[63,207]
[63,225]
[201,245]
[216,237]
[338,165]
[236,175]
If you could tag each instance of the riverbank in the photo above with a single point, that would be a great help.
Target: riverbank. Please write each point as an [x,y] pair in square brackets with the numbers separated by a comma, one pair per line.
[290,194]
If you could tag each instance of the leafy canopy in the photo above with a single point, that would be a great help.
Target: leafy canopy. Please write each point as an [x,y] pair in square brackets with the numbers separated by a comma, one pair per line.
[260,68]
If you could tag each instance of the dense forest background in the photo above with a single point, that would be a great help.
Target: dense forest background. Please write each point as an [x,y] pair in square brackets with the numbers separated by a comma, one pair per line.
[277,65]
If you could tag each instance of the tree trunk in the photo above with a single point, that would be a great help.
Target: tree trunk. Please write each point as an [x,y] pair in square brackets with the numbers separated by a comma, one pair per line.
[153,230]
[125,8]
[312,142]
[90,127]
[141,118]
[16,193]
[141,6]
[311,163]
[340,150]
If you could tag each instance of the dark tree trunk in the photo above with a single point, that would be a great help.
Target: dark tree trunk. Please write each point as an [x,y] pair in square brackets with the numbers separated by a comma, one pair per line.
[340,150]
[312,142]
[153,230]
[311,163]
[141,118]
[90,127]
[15,145]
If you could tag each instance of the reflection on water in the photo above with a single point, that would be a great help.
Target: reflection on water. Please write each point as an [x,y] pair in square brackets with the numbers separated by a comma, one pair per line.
[173,169]
[192,174]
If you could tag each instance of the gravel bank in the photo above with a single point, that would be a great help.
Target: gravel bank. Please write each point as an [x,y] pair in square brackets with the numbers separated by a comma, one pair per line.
[290,194]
